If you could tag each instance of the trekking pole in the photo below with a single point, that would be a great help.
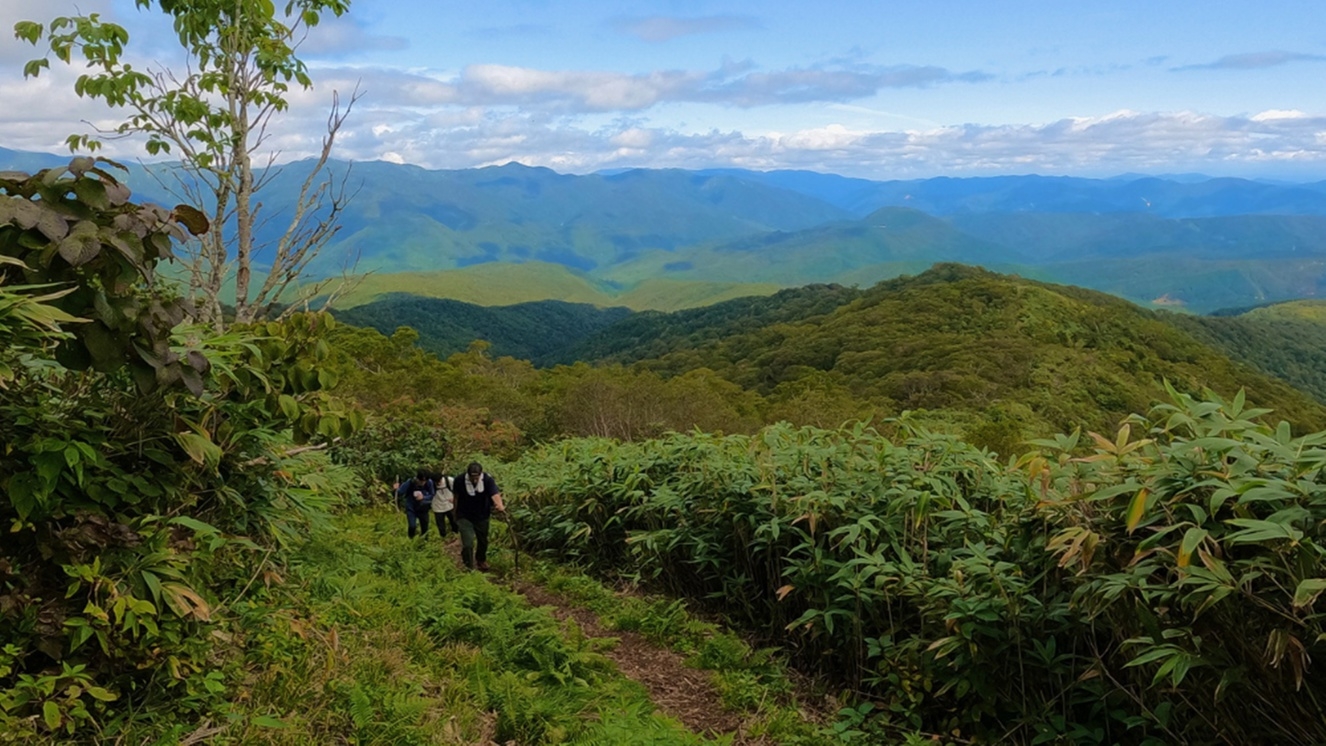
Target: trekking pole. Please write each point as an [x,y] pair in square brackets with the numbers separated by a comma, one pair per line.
[515,540]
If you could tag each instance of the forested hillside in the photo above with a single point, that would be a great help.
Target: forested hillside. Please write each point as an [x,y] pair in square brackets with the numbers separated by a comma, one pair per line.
[529,331]
[646,335]
[1288,346]
[958,338]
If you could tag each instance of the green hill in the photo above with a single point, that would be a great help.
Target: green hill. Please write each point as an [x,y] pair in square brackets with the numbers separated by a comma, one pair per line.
[1286,340]
[1311,311]
[529,331]
[654,334]
[893,238]
[1049,357]
[501,284]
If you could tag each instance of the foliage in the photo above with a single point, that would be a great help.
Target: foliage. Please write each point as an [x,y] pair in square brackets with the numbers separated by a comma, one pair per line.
[1278,342]
[136,500]
[960,338]
[377,640]
[74,230]
[649,335]
[1128,587]
[536,331]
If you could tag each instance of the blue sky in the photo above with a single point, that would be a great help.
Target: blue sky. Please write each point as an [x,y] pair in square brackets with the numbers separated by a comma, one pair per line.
[871,89]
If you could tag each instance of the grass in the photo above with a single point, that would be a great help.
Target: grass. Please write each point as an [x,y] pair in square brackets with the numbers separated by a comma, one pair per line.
[751,681]
[374,639]
[503,284]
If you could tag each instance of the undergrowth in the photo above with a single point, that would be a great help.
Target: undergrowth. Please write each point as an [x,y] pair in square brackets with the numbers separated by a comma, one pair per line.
[377,640]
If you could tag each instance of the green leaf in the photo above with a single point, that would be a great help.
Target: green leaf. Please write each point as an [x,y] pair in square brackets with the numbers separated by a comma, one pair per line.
[51,714]
[197,526]
[1192,539]
[1136,509]
[93,193]
[1257,531]
[200,448]
[289,407]
[1307,592]
[102,694]
[267,721]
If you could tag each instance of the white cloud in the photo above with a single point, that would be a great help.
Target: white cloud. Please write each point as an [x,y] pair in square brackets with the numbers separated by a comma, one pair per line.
[1115,143]
[593,91]
[1274,114]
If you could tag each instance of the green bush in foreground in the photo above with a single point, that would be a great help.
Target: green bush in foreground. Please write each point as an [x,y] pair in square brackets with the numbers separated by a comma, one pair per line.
[1131,593]
[144,481]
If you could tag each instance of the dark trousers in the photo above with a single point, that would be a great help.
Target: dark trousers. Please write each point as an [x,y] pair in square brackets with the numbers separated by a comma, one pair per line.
[423,514]
[473,541]
[445,519]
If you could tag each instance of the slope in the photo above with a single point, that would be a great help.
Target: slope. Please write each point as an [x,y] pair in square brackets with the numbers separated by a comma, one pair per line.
[501,284]
[961,338]
[409,218]
[654,334]
[529,331]
[887,242]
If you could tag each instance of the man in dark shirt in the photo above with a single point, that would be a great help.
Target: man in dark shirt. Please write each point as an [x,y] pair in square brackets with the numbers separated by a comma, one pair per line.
[477,496]
[415,497]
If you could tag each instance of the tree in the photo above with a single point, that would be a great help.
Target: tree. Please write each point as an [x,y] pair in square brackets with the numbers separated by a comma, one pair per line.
[241,60]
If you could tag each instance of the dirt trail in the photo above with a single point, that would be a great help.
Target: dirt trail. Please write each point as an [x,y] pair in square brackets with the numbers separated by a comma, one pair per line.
[678,690]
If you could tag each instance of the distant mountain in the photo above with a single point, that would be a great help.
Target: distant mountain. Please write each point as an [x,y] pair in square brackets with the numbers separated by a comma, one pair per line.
[405,218]
[639,237]
[1200,264]
[501,284]
[19,160]
[1184,196]
[886,243]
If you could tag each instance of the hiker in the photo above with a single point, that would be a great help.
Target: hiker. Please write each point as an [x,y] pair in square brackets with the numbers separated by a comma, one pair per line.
[444,503]
[415,497]
[477,496]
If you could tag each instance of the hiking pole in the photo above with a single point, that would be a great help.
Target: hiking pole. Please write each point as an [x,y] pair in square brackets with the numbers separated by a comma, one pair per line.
[515,540]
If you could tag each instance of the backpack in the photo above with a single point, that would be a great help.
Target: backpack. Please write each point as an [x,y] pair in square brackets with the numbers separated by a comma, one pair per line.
[446,484]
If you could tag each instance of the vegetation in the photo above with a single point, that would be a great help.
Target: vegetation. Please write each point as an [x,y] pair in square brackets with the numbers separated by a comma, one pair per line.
[147,469]
[376,640]
[240,62]
[1289,346]
[1021,357]
[1132,591]
[494,284]
[173,571]
[528,331]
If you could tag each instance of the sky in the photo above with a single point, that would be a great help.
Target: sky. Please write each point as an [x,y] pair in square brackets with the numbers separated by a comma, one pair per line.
[873,89]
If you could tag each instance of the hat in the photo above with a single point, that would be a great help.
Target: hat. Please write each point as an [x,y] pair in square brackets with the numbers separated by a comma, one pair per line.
[474,468]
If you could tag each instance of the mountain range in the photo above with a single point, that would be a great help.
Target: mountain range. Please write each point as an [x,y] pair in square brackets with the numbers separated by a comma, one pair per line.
[1195,243]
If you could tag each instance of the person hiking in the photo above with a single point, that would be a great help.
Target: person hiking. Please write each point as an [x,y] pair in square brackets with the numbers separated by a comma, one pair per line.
[477,496]
[415,497]
[444,503]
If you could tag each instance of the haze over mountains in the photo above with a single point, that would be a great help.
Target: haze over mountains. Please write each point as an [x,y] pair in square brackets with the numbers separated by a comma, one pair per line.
[1196,243]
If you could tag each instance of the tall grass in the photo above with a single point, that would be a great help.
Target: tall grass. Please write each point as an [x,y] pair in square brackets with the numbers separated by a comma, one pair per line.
[1118,593]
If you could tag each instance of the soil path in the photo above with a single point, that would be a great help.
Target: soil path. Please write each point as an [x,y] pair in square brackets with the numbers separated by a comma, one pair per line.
[680,691]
